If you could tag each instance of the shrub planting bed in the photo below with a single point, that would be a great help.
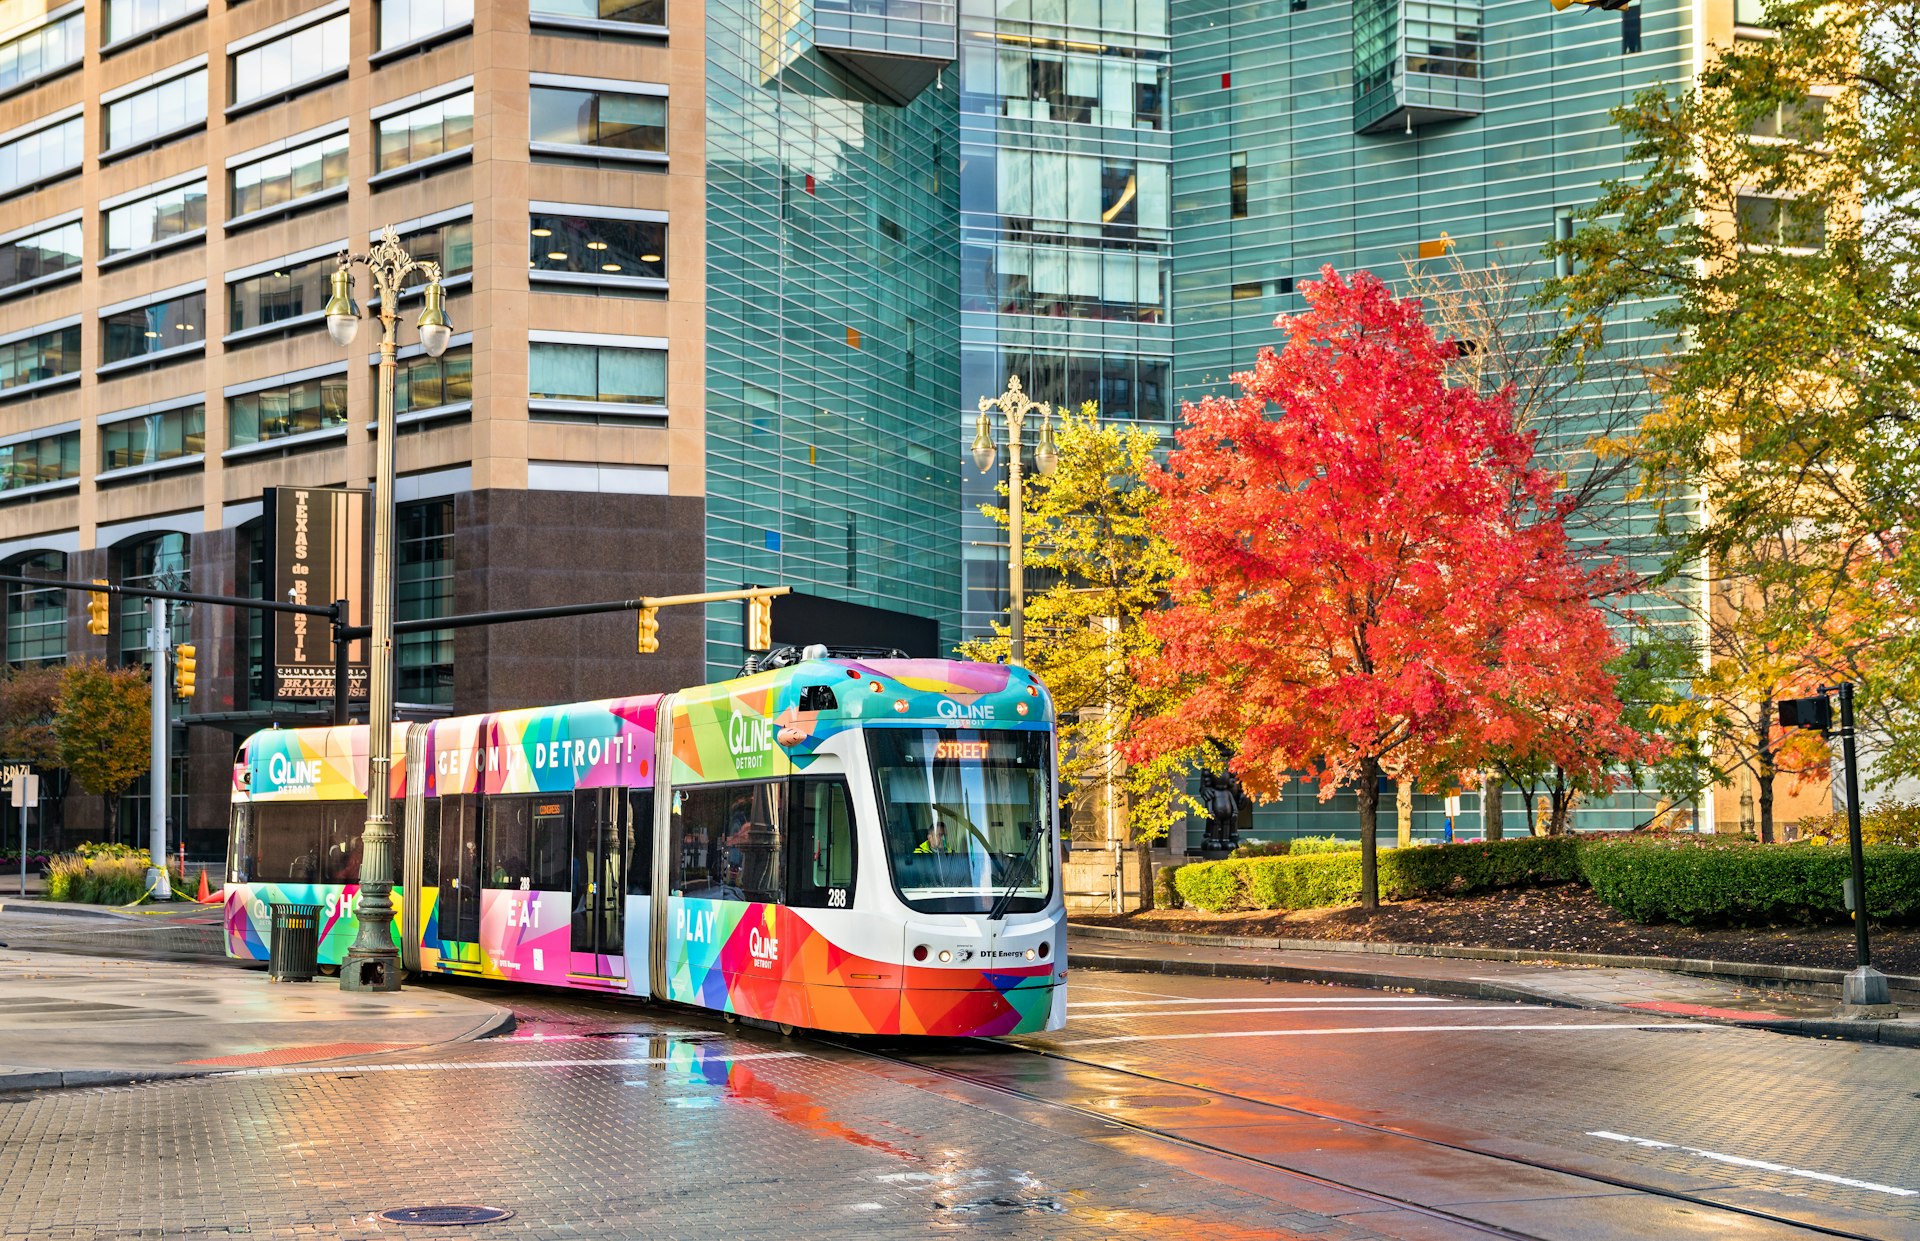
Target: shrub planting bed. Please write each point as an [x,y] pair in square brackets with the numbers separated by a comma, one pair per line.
[102,874]
[1648,879]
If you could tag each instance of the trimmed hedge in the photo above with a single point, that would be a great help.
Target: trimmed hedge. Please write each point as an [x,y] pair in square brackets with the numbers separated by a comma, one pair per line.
[1708,881]
[1313,880]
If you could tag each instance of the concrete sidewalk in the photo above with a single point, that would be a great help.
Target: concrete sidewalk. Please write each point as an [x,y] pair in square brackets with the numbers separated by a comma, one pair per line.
[76,1021]
[1767,998]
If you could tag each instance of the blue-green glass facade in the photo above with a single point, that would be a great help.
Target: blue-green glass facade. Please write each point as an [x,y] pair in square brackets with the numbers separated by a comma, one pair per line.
[1066,229]
[832,326]
[1310,132]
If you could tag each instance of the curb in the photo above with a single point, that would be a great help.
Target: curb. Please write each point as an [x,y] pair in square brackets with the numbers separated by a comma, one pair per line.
[1891,1033]
[1798,977]
[496,1020]
[63,911]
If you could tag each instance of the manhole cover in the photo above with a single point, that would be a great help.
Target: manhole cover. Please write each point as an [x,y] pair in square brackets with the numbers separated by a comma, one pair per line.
[444,1217]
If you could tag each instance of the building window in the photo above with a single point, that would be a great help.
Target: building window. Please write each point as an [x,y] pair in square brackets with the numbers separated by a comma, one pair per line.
[50,150]
[289,291]
[155,219]
[1782,222]
[307,55]
[1750,13]
[49,355]
[623,12]
[1237,186]
[1076,282]
[1630,30]
[588,374]
[287,409]
[126,18]
[288,176]
[1125,200]
[605,118]
[154,328]
[1248,291]
[48,459]
[422,383]
[423,589]
[403,21]
[40,255]
[51,47]
[449,244]
[1048,82]
[623,249]
[153,438]
[1804,121]
[424,132]
[36,615]
[156,562]
[167,107]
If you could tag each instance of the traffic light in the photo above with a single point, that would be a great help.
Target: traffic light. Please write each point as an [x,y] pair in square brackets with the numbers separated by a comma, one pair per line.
[1561,6]
[759,624]
[1815,713]
[183,666]
[97,608]
[649,630]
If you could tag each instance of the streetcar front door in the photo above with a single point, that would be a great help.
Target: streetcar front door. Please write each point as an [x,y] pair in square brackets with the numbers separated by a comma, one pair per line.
[458,908]
[599,881]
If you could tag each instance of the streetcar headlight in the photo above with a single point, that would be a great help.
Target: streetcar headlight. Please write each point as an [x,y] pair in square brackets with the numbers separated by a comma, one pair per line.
[919,952]
[1029,954]
[945,955]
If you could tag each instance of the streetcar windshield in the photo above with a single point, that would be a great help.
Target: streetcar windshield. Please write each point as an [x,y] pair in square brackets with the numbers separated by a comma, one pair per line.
[967,816]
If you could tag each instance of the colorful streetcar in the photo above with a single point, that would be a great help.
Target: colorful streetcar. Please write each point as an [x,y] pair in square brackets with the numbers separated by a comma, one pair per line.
[863,847]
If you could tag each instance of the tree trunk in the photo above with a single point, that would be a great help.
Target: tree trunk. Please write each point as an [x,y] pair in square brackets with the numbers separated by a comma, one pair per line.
[1403,807]
[1369,829]
[1492,814]
[1766,772]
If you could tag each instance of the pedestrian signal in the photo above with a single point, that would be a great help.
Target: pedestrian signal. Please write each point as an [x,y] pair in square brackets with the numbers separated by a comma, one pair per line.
[97,608]
[183,668]
[759,624]
[649,630]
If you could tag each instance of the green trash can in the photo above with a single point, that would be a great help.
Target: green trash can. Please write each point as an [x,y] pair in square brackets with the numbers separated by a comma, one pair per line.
[294,949]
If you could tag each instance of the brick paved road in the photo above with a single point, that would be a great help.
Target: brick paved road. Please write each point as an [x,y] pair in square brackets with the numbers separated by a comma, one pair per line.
[598,1118]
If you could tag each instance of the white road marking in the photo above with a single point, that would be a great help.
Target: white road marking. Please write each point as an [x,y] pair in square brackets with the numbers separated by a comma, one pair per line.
[1762,1164]
[494,1064]
[1571,1025]
[1262,999]
[1276,1008]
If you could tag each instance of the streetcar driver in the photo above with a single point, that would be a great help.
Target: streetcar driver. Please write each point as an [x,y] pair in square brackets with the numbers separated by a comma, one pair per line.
[936,841]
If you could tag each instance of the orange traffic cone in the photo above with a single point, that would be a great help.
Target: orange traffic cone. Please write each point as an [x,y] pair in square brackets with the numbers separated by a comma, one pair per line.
[204,898]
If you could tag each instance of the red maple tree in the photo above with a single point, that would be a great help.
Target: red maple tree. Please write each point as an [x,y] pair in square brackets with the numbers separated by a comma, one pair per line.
[1377,579]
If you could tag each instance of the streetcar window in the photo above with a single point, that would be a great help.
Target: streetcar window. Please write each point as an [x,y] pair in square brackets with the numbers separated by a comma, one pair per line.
[552,846]
[640,834]
[822,864]
[729,841]
[343,825]
[429,842]
[288,842]
[508,855]
[967,816]
[239,844]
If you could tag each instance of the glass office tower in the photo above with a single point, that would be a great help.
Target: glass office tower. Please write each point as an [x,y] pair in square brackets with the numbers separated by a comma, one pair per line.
[832,193]
[1065,229]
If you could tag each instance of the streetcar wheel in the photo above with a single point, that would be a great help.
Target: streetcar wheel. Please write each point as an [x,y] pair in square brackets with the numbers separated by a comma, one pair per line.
[732,1019]
[331,971]
[786,1030]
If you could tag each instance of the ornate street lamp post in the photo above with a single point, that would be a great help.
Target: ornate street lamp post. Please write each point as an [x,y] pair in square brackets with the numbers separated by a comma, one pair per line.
[1014,406]
[372,962]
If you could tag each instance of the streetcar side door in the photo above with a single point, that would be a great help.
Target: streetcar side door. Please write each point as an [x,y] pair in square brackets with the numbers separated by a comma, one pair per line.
[598,932]
[458,908]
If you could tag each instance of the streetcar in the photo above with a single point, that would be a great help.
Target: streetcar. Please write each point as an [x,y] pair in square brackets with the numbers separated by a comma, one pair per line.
[865,846]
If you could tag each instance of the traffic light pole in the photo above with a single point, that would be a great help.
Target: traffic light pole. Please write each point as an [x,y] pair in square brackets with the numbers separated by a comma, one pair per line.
[157,886]
[1864,990]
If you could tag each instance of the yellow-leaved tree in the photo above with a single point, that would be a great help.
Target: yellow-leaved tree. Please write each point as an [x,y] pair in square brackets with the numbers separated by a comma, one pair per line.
[1090,526]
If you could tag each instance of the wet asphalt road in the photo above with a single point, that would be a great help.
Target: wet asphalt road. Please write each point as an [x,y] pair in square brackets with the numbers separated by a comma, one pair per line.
[1168,1106]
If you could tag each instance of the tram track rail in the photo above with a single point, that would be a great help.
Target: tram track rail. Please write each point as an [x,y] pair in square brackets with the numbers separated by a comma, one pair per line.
[1386,1198]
